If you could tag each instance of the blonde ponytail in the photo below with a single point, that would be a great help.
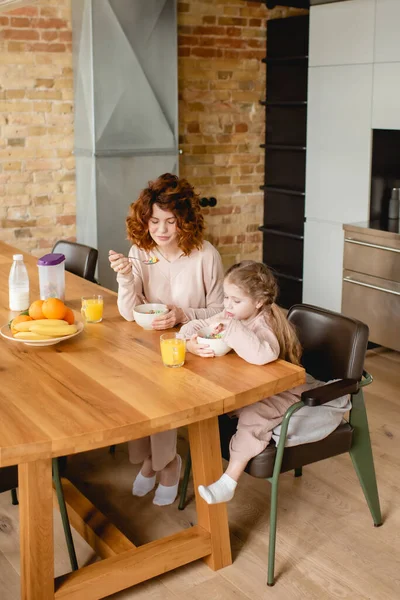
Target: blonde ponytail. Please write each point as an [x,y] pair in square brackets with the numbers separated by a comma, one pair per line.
[290,348]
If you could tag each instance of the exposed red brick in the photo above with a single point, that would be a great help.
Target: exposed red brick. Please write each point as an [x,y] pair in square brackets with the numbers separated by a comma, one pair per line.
[29,11]
[50,23]
[20,34]
[49,36]
[65,36]
[207,52]
[182,52]
[183,7]
[66,220]
[238,21]
[233,31]
[19,22]
[193,127]
[208,30]
[188,40]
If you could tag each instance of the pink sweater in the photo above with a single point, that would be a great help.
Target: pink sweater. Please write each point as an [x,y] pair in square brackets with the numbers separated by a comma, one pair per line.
[193,283]
[252,339]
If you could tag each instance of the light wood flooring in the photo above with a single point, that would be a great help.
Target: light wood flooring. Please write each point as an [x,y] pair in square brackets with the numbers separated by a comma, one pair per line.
[327,547]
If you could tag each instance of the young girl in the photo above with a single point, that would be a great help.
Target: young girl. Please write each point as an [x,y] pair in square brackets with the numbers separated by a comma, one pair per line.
[256,328]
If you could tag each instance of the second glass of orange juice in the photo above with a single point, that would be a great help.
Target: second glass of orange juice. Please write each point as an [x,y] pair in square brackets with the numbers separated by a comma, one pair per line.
[173,349]
[92,309]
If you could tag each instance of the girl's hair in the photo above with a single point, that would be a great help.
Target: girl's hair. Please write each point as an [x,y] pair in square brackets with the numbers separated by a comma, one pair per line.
[257,281]
[172,194]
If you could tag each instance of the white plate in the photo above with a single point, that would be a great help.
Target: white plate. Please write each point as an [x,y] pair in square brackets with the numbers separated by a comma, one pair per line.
[5,332]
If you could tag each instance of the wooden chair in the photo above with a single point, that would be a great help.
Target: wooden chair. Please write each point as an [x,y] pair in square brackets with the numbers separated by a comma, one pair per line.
[9,482]
[80,260]
[334,347]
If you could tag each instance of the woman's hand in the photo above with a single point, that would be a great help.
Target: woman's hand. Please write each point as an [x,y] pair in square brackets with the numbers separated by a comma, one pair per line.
[202,350]
[119,263]
[174,316]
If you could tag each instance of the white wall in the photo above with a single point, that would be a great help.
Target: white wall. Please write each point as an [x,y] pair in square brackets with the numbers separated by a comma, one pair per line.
[354,86]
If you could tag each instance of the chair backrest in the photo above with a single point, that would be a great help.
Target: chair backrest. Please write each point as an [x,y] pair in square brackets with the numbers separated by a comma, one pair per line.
[8,478]
[80,260]
[334,346]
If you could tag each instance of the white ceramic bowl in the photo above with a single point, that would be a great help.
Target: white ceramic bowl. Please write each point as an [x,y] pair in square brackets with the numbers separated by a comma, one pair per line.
[218,345]
[144,318]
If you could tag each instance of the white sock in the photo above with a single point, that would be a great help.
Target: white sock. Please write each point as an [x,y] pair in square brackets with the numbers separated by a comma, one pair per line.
[143,485]
[166,494]
[222,490]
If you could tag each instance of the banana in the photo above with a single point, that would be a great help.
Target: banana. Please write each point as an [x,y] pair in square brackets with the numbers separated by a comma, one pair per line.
[26,325]
[30,335]
[53,331]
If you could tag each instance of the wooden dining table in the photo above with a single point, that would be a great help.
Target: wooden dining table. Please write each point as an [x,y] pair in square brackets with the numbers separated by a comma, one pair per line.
[107,386]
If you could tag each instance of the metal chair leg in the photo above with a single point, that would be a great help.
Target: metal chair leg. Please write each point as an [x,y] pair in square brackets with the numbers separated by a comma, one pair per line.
[298,472]
[185,481]
[272,529]
[14,497]
[64,516]
[361,455]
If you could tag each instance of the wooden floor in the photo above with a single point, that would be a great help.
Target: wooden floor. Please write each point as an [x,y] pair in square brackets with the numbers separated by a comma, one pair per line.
[327,546]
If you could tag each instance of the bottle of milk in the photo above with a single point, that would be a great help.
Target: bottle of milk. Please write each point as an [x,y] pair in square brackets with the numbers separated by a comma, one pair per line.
[18,285]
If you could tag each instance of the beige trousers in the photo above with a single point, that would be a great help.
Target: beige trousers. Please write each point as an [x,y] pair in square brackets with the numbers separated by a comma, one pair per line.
[161,447]
[255,425]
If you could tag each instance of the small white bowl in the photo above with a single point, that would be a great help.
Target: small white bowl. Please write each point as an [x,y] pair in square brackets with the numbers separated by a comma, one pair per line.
[144,318]
[218,345]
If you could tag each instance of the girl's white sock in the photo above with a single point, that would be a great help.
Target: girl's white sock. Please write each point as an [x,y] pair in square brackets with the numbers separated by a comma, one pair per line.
[222,490]
[143,485]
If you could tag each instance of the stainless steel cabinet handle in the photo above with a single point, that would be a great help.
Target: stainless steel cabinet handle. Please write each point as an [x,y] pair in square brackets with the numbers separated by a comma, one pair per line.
[368,285]
[351,241]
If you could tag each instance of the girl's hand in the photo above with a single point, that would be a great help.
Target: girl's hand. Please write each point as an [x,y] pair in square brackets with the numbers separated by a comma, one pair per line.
[221,326]
[174,316]
[119,263]
[202,350]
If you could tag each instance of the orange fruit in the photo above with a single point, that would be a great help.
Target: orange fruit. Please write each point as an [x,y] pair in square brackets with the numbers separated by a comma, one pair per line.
[35,310]
[19,319]
[53,308]
[69,317]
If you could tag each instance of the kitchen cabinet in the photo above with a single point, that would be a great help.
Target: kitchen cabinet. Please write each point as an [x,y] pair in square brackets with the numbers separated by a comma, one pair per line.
[342,33]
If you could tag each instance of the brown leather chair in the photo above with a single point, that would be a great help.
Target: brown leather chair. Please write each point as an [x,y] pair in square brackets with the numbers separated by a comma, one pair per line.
[80,260]
[334,347]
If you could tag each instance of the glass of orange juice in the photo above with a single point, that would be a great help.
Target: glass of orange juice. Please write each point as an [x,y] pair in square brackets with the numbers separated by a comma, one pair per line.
[92,309]
[173,349]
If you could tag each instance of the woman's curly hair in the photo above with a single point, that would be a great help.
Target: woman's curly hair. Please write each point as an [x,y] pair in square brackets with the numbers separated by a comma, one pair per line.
[176,195]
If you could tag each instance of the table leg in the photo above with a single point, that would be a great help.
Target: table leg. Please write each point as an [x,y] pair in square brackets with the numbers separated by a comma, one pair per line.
[36,530]
[207,467]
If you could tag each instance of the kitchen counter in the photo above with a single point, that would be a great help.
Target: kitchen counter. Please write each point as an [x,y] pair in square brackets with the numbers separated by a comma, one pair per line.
[371,279]
[389,229]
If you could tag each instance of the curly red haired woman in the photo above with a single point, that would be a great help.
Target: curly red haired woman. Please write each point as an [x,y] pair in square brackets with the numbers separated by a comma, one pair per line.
[166,224]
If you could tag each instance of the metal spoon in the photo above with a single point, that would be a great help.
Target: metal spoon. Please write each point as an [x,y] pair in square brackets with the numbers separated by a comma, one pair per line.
[151,261]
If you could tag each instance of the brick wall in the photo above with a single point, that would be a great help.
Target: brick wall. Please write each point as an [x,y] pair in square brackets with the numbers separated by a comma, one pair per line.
[221,80]
[37,177]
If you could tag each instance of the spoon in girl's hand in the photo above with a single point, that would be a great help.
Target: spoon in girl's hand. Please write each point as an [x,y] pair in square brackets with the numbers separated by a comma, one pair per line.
[151,261]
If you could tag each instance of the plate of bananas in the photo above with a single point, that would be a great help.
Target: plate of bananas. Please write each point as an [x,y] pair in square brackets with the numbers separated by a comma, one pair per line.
[42,332]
